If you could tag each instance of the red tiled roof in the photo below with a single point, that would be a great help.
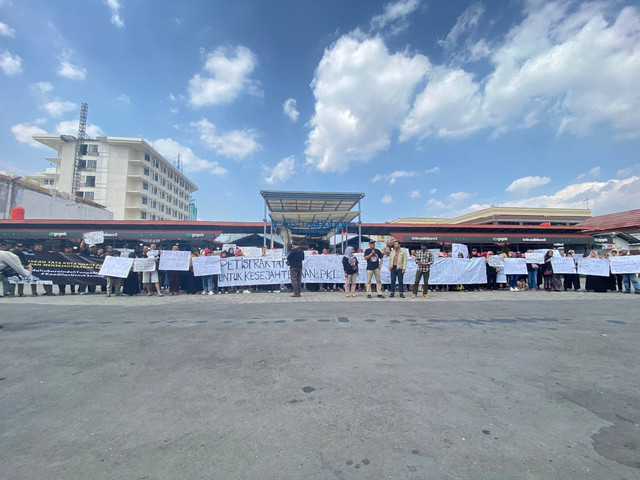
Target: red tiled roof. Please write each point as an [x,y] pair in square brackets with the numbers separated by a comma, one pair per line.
[629,220]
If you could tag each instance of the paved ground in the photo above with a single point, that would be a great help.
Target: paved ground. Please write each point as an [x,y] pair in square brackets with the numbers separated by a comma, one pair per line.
[262,386]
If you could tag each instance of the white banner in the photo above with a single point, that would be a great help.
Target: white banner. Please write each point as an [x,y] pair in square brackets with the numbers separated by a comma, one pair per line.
[204,266]
[93,238]
[593,266]
[30,280]
[534,258]
[458,248]
[176,260]
[626,264]
[563,265]
[515,266]
[144,264]
[275,254]
[495,260]
[116,267]
[227,246]
[124,252]
[252,252]
[328,269]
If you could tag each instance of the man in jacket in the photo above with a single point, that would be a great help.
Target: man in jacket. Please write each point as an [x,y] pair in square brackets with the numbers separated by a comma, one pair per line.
[294,260]
[397,267]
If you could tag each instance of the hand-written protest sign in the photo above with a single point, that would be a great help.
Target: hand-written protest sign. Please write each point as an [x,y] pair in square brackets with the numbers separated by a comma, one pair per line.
[227,246]
[275,254]
[625,264]
[593,266]
[175,260]
[144,264]
[93,238]
[205,266]
[252,252]
[459,248]
[515,266]
[495,260]
[534,258]
[563,265]
[116,267]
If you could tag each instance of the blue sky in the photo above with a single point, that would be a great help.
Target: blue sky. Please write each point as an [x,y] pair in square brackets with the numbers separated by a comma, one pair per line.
[431,108]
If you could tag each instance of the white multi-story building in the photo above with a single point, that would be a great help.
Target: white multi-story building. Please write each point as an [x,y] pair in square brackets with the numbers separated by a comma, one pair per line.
[126,175]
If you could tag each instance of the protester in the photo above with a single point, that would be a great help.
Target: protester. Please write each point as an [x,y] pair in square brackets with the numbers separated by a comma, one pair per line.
[131,284]
[571,280]
[207,280]
[149,278]
[294,260]
[595,283]
[174,277]
[350,266]
[629,279]
[10,266]
[397,266]
[532,274]
[114,284]
[424,260]
[373,256]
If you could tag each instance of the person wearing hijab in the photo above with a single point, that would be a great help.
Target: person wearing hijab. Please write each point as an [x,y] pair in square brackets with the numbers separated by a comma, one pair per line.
[595,283]
[547,271]
[350,265]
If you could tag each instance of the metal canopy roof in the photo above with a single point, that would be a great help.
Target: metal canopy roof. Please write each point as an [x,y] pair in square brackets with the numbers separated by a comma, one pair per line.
[299,202]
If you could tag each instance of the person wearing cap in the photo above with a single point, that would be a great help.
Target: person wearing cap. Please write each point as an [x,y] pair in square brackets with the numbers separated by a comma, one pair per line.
[207,280]
[294,260]
[373,256]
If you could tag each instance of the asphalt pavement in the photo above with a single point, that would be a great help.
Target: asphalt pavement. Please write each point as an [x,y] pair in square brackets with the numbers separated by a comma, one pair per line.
[463,385]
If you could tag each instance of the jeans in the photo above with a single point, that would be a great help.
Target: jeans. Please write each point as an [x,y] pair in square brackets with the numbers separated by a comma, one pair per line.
[425,286]
[5,285]
[398,274]
[513,281]
[296,280]
[532,279]
[207,283]
[630,279]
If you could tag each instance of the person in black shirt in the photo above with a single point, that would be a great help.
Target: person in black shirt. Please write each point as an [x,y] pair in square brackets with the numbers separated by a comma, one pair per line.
[294,260]
[373,256]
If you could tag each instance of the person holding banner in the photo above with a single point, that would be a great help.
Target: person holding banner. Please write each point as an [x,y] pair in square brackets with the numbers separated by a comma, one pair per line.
[424,259]
[571,280]
[114,283]
[131,284]
[595,283]
[350,266]
[629,279]
[10,266]
[373,256]
[207,280]
[397,267]
[149,278]
[174,277]
[547,271]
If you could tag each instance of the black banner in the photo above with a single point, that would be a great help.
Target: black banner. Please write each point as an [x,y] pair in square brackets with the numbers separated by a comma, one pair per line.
[66,268]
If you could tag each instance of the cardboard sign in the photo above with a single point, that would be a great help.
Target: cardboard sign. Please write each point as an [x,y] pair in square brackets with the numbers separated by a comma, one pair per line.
[116,267]
[144,264]
[205,266]
[93,238]
[176,260]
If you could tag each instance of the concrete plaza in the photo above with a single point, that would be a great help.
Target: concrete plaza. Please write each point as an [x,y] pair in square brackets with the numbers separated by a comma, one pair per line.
[465,385]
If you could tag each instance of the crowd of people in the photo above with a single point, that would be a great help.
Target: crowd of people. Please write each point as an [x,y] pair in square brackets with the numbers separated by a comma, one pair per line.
[15,261]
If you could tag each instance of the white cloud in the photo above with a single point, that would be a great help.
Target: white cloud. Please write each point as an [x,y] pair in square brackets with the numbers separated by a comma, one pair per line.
[57,109]
[124,99]
[387,199]
[572,65]
[414,194]
[70,127]
[362,93]
[281,172]
[42,88]
[23,133]
[433,191]
[236,144]
[433,170]
[71,71]
[628,171]
[395,11]
[613,195]
[466,21]
[230,69]
[170,149]
[290,109]
[6,30]
[459,196]
[593,173]
[524,184]
[116,19]
[432,202]
[10,64]
[393,176]
[449,106]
